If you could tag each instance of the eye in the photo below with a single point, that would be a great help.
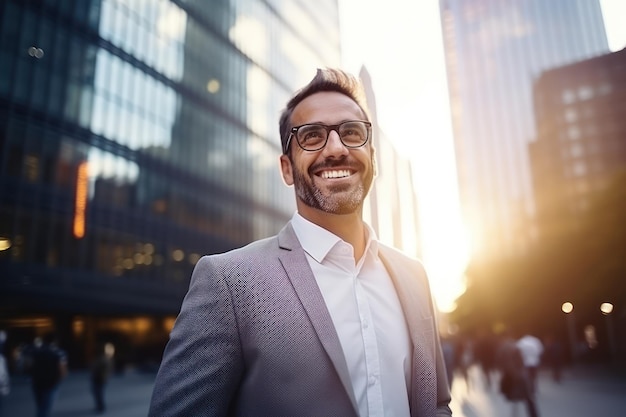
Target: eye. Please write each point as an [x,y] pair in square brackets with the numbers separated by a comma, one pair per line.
[311,134]
[314,134]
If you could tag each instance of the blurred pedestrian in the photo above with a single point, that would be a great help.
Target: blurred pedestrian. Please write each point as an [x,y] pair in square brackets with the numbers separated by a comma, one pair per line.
[447,347]
[48,367]
[5,382]
[514,382]
[100,371]
[485,355]
[465,359]
[531,349]
[553,356]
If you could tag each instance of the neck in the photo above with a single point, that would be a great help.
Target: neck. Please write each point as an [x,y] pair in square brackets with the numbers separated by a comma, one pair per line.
[349,227]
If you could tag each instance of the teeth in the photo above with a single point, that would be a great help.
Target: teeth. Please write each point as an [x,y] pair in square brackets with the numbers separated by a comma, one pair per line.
[336,174]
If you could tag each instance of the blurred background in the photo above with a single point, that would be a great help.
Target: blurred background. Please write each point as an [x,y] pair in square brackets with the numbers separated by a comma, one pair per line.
[139,135]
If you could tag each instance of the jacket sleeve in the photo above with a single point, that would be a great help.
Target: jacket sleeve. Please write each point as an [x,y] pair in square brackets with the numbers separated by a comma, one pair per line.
[443,388]
[202,364]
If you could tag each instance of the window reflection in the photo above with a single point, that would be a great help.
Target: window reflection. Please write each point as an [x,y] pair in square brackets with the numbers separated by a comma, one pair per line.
[112,179]
[152,31]
[131,107]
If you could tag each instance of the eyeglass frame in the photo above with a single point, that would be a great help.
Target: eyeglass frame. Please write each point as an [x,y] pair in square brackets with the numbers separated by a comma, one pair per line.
[329,128]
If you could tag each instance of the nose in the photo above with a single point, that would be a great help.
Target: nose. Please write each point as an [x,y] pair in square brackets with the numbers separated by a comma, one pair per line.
[334,146]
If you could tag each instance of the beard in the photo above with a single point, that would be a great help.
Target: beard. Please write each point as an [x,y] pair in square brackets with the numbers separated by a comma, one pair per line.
[338,199]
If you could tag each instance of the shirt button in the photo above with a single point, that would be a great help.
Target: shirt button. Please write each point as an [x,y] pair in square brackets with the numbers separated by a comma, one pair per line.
[373,380]
[365,324]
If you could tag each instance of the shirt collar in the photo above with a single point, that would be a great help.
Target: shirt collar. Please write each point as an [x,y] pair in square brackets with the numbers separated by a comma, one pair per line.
[318,242]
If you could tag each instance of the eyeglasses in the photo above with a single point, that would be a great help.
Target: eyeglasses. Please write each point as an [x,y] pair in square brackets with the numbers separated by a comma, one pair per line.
[314,136]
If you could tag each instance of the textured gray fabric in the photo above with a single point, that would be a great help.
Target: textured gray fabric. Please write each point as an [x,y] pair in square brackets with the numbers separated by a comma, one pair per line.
[254,338]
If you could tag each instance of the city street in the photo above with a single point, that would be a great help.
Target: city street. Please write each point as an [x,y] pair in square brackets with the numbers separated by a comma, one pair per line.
[127,395]
[584,392]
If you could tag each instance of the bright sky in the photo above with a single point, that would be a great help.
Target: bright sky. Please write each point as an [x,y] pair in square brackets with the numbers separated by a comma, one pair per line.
[400,43]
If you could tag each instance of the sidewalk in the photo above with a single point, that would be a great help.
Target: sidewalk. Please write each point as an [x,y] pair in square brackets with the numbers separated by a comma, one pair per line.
[127,395]
[583,392]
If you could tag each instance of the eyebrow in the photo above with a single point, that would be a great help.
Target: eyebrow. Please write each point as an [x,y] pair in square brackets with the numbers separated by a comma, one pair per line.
[328,124]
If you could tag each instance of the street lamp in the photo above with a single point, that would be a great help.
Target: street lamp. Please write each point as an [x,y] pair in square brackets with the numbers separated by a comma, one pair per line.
[568,309]
[607,309]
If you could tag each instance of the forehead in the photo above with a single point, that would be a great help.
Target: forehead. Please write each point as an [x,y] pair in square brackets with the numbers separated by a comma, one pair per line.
[326,107]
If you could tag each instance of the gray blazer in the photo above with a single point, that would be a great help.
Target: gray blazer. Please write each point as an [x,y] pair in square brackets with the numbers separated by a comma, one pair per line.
[254,338]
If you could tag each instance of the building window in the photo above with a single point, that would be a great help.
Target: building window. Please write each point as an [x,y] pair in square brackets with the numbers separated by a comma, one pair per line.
[585,92]
[605,89]
[570,115]
[568,97]
[580,168]
[576,150]
[573,132]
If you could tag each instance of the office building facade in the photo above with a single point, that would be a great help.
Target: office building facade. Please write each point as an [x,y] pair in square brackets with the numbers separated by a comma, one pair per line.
[494,49]
[581,138]
[135,137]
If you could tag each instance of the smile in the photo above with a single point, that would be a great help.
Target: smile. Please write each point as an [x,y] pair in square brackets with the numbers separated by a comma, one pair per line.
[340,173]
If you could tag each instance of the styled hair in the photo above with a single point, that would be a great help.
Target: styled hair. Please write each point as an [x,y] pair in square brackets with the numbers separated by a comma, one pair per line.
[329,79]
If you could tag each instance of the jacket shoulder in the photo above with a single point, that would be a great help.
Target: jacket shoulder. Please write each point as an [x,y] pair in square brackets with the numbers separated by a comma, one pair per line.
[247,260]
[396,255]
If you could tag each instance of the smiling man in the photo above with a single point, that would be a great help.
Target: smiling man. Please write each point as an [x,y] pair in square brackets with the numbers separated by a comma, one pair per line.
[322,319]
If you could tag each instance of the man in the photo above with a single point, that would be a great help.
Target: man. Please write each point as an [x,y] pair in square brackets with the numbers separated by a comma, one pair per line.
[320,320]
[100,371]
[48,367]
[531,349]
[515,382]
[5,379]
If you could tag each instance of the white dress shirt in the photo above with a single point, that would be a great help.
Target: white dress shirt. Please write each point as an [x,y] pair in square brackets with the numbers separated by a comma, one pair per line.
[367,315]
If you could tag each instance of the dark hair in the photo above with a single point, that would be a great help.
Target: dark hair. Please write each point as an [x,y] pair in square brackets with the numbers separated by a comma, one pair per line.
[329,79]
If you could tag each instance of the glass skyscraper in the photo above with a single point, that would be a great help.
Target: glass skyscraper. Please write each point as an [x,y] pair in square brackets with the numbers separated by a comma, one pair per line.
[135,137]
[494,51]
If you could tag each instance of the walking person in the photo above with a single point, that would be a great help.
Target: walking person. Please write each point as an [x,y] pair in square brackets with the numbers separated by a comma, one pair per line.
[514,381]
[553,356]
[485,354]
[100,371]
[465,360]
[447,346]
[322,319]
[5,380]
[48,367]
[531,349]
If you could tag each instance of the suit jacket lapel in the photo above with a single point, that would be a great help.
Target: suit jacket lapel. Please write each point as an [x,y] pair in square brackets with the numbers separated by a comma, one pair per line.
[297,267]
[418,317]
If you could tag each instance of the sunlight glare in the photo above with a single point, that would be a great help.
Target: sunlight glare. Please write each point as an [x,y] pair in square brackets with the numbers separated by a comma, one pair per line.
[404,56]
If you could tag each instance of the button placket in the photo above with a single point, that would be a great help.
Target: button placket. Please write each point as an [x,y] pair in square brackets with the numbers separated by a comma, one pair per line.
[370,345]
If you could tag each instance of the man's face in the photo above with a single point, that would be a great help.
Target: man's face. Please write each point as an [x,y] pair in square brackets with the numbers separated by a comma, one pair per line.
[334,179]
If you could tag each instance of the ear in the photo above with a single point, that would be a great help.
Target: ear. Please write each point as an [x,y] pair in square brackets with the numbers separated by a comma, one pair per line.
[286,169]
[374,163]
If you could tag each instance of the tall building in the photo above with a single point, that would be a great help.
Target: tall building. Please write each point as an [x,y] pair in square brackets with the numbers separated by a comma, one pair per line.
[494,50]
[578,168]
[135,137]
[391,207]
[581,138]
